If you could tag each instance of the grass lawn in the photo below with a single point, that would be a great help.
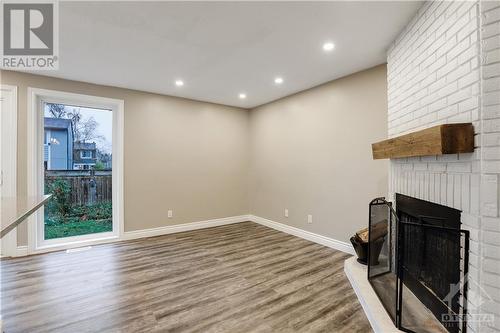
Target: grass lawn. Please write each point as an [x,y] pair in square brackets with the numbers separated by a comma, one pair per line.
[79,220]
[77,228]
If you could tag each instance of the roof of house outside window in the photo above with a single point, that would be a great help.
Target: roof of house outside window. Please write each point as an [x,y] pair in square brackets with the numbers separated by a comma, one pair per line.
[84,145]
[57,123]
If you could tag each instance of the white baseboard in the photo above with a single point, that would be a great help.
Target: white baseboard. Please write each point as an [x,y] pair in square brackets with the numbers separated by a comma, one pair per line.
[310,236]
[21,251]
[170,229]
[326,241]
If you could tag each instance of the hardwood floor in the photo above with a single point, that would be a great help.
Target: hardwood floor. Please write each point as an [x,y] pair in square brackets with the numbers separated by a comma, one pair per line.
[237,278]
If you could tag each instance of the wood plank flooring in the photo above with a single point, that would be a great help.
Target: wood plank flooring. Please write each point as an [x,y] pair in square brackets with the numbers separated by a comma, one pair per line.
[237,278]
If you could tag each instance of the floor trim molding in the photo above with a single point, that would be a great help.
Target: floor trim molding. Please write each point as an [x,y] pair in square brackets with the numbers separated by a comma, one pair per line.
[170,229]
[21,251]
[310,236]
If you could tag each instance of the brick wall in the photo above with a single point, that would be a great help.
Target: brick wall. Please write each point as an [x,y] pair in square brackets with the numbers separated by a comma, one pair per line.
[445,68]
[490,166]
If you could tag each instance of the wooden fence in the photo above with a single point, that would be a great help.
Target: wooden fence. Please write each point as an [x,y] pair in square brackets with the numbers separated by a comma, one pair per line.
[87,186]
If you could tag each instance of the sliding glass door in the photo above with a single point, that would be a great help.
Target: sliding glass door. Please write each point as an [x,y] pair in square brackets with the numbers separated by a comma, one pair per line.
[78,148]
[76,156]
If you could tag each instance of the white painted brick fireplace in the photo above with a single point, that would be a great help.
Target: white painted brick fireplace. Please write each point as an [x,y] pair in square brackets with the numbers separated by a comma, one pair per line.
[445,68]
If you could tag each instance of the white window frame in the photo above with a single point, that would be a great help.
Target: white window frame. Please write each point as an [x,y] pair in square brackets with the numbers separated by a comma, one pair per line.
[36,98]
[8,244]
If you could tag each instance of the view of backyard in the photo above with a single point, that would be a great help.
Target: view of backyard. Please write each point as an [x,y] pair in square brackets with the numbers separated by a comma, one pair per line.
[78,171]
[75,207]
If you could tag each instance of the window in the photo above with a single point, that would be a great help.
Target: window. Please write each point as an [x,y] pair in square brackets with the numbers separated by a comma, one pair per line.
[85,207]
[82,202]
[86,154]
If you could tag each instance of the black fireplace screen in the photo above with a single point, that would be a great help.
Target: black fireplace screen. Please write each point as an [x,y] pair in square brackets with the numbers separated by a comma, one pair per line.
[418,260]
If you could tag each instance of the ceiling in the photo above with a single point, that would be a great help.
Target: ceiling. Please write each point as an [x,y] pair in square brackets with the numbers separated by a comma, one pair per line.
[222,49]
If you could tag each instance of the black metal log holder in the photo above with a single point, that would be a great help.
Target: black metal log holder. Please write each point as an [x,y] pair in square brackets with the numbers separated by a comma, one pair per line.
[398,271]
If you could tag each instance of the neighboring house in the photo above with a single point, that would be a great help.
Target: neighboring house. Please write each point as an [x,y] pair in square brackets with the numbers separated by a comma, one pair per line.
[58,144]
[84,155]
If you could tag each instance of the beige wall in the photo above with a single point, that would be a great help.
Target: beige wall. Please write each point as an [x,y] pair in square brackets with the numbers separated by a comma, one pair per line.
[311,153]
[188,156]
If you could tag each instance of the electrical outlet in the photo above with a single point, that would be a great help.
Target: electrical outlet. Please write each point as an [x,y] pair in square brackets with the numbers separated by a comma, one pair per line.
[170,213]
[286,212]
[309,219]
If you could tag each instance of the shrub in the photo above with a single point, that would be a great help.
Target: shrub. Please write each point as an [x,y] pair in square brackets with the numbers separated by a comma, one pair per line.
[99,166]
[100,211]
[59,204]
[96,211]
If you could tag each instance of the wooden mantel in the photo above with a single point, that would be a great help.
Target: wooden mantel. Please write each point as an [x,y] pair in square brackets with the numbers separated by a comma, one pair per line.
[437,140]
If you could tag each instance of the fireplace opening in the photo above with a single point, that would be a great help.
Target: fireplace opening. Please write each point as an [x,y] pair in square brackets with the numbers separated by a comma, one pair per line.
[419,275]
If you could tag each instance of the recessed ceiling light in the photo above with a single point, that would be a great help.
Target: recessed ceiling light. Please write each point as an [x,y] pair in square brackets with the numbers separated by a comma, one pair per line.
[278,80]
[328,46]
[242,95]
[179,83]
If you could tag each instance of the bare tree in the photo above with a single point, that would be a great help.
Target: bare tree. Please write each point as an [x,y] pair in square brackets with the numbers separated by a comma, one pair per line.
[57,110]
[84,130]
[75,116]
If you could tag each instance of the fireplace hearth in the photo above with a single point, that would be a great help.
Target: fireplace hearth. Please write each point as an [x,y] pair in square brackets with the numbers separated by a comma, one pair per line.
[419,275]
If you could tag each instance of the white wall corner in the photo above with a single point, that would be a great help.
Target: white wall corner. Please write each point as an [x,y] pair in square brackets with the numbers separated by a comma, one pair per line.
[489,195]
